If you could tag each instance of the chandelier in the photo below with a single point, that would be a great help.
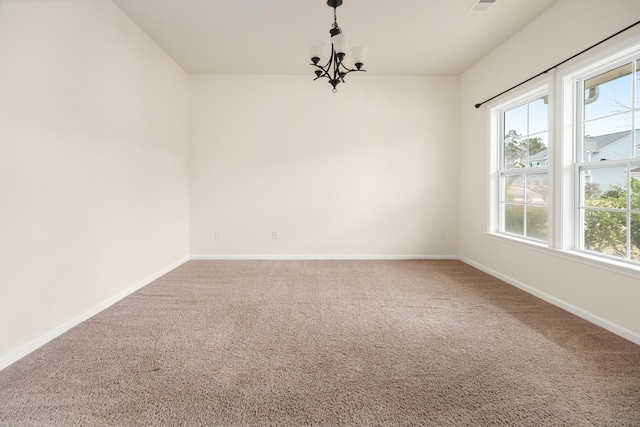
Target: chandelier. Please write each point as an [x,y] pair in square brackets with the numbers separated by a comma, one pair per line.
[335,70]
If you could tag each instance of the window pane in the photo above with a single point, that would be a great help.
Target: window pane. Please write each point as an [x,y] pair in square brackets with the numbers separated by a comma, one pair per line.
[605,187]
[514,219]
[538,115]
[515,121]
[515,152]
[608,93]
[538,154]
[606,232]
[513,188]
[537,222]
[635,237]
[526,152]
[608,139]
[536,191]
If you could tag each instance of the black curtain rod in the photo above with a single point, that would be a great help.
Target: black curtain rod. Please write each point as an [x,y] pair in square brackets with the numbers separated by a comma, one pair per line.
[557,65]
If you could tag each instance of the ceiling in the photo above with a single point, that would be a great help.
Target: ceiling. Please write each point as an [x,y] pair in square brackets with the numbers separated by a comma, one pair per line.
[405,37]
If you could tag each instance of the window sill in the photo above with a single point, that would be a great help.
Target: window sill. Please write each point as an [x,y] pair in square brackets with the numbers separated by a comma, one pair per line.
[614,266]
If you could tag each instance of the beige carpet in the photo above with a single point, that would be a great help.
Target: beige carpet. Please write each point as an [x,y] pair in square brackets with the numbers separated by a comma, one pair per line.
[431,343]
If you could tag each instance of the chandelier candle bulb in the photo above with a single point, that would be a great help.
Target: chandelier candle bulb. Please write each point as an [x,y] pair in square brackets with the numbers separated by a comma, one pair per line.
[359,53]
[315,50]
[340,43]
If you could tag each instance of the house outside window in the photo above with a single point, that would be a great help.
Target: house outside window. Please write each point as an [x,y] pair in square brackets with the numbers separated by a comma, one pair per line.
[523,131]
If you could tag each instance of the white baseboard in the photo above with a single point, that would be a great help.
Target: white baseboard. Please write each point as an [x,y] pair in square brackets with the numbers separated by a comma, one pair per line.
[586,315]
[311,257]
[27,348]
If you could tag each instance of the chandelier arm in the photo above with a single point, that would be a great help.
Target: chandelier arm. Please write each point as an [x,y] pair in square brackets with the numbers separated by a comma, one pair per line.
[325,73]
[349,70]
[337,63]
[346,69]
[327,68]
[331,59]
[337,70]
[331,65]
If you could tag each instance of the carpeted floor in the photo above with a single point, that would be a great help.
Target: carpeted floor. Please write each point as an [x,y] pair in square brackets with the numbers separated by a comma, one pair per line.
[292,343]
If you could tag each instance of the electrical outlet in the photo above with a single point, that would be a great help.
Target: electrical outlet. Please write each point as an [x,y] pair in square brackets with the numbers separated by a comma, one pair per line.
[218,235]
[443,235]
[274,235]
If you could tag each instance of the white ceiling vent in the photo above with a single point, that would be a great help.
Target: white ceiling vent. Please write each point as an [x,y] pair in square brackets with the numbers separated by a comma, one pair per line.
[481,6]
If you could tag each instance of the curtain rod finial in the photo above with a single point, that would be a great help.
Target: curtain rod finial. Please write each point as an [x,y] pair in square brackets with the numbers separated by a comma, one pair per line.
[478,105]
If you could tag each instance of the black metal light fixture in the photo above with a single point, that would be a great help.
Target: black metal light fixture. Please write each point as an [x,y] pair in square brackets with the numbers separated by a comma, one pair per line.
[335,70]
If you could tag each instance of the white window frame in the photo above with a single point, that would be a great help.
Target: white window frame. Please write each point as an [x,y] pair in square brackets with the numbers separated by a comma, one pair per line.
[564,189]
[574,81]
[496,211]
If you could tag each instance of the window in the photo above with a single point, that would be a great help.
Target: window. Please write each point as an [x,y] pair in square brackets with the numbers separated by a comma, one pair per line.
[608,160]
[523,159]
[596,172]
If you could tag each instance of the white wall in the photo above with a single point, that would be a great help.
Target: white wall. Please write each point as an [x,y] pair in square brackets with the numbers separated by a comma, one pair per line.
[604,296]
[368,171]
[93,164]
